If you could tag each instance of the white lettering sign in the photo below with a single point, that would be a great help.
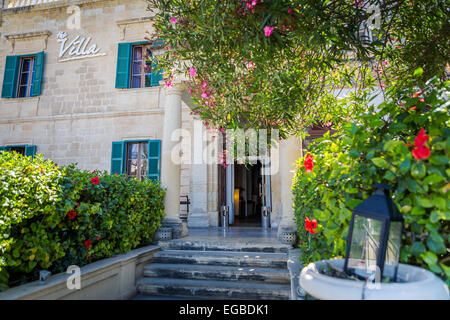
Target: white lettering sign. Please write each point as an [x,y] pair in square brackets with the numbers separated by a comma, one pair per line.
[77,48]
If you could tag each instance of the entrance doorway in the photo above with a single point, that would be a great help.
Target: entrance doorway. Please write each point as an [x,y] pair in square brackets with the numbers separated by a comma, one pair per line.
[246,193]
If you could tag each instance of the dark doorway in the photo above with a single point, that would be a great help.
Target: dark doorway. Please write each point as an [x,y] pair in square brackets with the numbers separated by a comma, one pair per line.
[247,195]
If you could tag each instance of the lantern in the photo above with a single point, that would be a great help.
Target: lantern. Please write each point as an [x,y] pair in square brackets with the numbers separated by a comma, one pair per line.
[374,238]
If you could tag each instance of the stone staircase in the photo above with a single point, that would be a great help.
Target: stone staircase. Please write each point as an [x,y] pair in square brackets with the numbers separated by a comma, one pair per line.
[220,269]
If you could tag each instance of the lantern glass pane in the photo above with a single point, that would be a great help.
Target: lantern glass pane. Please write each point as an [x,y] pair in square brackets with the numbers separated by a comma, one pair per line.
[393,250]
[364,248]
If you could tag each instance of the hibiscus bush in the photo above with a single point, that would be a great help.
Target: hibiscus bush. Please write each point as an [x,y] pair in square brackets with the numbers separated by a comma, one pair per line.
[405,143]
[52,217]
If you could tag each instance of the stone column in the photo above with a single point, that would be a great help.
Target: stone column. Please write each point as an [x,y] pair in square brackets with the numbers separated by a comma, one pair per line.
[171,171]
[290,152]
[198,215]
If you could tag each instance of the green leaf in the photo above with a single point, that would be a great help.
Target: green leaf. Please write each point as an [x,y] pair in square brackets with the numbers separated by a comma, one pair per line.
[429,257]
[436,244]
[405,165]
[424,202]
[438,160]
[391,145]
[412,185]
[418,248]
[380,162]
[432,179]
[446,269]
[417,211]
[418,171]
[390,176]
[418,72]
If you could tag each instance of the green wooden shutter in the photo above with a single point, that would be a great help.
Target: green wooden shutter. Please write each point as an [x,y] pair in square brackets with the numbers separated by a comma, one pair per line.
[30,151]
[157,75]
[10,77]
[38,72]
[117,157]
[123,65]
[154,159]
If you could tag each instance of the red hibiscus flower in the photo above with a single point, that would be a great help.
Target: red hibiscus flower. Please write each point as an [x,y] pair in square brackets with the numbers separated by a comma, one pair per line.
[78,204]
[308,163]
[87,243]
[421,151]
[95,180]
[71,214]
[421,138]
[310,225]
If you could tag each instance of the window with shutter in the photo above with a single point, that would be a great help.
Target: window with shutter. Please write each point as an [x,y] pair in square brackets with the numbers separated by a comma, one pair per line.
[10,77]
[154,159]
[25,150]
[23,76]
[117,155]
[156,75]
[37,74]
[30,151]
[137,159]
[136,66]
[123,65]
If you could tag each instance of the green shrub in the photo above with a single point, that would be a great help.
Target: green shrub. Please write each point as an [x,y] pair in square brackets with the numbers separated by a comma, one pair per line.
[52,217]
[378,148]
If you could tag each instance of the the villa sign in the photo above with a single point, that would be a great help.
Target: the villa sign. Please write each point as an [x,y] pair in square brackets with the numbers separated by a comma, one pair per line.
[77,48]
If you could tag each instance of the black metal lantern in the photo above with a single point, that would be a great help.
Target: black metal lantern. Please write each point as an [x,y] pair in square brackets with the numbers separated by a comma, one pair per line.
[374,238]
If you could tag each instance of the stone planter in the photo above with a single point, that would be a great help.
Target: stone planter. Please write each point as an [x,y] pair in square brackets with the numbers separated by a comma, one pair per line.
[415,284]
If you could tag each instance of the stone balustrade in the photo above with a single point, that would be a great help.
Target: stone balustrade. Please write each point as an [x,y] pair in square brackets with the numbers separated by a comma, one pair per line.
[26,3]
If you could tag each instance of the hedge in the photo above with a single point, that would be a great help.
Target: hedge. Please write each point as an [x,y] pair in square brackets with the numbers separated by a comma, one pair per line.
[387,144]
[52,217]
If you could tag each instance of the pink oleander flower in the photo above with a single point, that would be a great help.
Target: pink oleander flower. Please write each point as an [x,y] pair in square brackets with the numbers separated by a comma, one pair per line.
[192,72]
[205,95]
[204,85]
[268,31]
[190,90]
[173,20]
[169,84]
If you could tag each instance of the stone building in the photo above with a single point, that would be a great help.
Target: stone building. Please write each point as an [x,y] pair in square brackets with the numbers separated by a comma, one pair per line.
[75,91]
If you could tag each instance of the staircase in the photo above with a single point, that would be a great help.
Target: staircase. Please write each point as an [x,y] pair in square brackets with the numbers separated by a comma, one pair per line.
[219,269]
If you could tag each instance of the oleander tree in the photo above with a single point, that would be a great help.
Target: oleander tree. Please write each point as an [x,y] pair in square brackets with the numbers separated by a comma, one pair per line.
[282,63]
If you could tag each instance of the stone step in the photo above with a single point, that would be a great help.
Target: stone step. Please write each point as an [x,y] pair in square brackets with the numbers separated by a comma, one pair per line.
[222,258]
[245,245]
[211,272]
[212,289]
